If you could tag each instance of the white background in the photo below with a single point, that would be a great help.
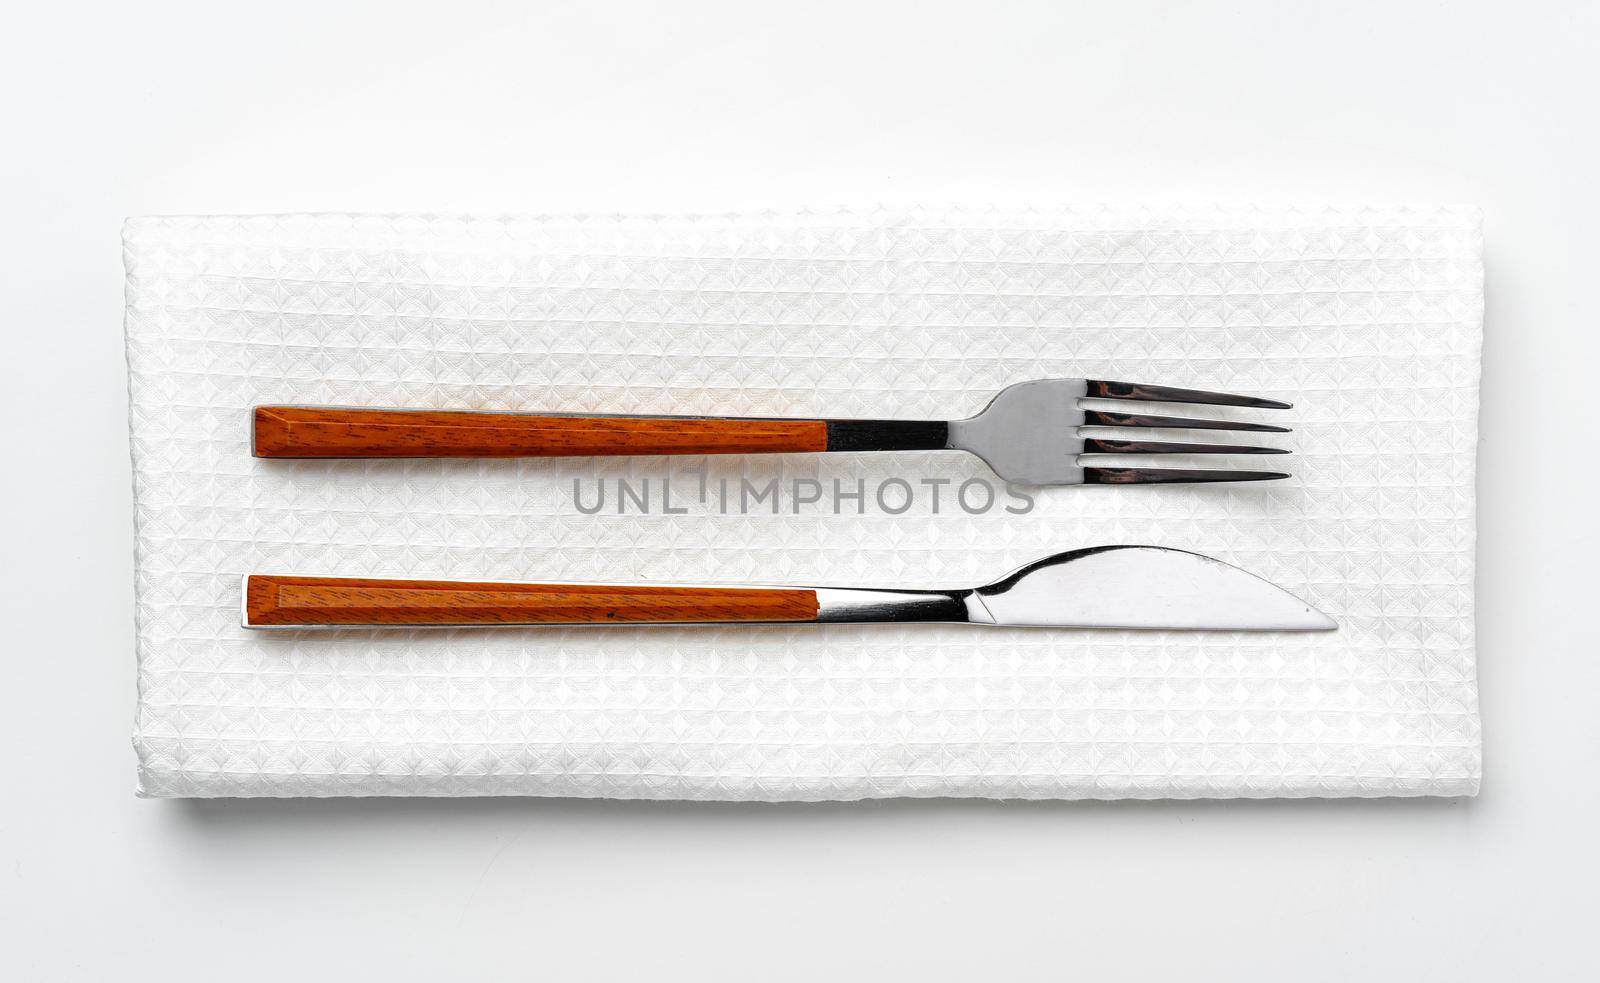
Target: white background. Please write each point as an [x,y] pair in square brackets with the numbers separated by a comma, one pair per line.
[118,109]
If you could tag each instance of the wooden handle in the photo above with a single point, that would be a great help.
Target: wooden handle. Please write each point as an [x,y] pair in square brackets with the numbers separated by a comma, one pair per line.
[313,432]
[288,602]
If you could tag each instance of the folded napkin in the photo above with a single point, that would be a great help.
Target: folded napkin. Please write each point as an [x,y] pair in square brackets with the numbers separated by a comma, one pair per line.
[1369,319]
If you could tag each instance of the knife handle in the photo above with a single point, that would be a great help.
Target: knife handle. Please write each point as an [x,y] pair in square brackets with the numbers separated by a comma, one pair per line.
[319,432]
[305,602]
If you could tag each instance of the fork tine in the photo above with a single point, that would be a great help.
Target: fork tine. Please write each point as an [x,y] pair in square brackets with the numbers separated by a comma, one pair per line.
[1094,445]
[1153,476]
[1101,389]
[1106,418]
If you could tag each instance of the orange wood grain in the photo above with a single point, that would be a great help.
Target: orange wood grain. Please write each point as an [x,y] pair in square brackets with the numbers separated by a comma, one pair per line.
[316,432]
[286,601]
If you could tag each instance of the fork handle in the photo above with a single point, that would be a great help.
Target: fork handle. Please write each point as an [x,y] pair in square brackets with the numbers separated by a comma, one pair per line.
[329,432]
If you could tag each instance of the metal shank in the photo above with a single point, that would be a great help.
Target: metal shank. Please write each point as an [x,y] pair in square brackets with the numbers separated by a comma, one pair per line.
[843,605]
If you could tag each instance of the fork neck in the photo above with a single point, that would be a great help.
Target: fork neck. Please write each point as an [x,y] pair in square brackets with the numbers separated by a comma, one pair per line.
[888,435]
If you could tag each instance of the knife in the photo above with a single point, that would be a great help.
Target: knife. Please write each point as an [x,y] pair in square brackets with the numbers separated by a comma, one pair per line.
[1101,587]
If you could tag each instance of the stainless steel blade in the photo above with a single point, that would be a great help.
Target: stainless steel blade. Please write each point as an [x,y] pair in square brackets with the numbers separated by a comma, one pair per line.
[1141,587]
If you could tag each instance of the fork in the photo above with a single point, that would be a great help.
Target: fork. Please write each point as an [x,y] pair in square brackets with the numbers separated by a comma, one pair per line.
[1031,433]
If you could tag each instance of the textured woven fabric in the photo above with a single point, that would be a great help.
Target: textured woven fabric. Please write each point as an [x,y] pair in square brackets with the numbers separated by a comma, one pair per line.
[1368,319]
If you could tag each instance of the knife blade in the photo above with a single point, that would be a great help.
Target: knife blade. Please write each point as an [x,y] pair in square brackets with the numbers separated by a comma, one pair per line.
[1144,587]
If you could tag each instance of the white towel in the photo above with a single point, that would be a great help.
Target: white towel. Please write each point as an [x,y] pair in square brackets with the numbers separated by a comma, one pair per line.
[1369,319]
